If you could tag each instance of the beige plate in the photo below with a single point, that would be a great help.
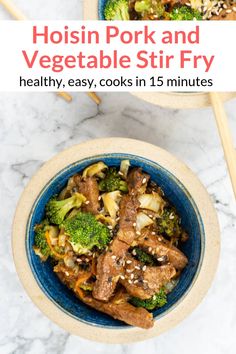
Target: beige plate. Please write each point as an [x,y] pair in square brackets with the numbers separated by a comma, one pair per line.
[164,99]
[181,172]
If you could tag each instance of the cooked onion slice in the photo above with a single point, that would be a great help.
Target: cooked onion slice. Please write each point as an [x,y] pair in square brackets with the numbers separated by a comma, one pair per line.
[124,167]
[142,221]
[152,202]
[111,202]
[94,169]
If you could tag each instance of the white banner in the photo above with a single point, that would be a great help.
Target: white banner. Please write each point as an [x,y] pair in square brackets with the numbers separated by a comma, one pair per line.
[117,56]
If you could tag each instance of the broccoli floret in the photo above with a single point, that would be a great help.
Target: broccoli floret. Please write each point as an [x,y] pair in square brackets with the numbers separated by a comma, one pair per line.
[113,182]
[40,242]
[157,300]
[153,8]
[143,257]
[116,10]
[85,232]
[56,210]
[169,223]
[185,13]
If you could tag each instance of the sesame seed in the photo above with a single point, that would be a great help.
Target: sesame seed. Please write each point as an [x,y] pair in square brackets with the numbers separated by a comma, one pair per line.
[137,267]
[109,227]
[130,281]
[136,281]
[100,197]
[144,180]
[79,260]
[145,281]
[149,249]
[144,268]
[132,276]
[87,202]
[138,233]
[154,297]
[150,216]
[134,253]
[134,224]
[113,257]
[122,277]
[67,274]
[153,233]
[128,261]
[161,259]
[120,173]
[159,239]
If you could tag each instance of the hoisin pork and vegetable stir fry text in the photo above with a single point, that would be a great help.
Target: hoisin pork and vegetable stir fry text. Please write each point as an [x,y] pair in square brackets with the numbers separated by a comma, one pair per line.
[114,239]
[174,10]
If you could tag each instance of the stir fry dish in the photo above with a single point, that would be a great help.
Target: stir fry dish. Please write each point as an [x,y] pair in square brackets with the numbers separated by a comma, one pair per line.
[174,10]
[113,239]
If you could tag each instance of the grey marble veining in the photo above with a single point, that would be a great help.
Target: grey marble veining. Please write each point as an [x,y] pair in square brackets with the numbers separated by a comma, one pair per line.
[34,127]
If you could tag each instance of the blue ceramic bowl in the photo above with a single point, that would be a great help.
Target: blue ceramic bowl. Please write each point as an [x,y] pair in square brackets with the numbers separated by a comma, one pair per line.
[101,6]
[174,191]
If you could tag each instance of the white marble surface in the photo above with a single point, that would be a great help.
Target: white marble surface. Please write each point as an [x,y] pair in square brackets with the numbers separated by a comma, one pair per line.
[34,127]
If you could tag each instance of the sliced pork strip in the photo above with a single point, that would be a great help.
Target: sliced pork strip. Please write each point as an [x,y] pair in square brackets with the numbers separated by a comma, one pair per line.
[136,179]
[109,269]
[160,248]
[110,264]
[225,16]
[123,311]
[144,281]
[89,188]
[128,215]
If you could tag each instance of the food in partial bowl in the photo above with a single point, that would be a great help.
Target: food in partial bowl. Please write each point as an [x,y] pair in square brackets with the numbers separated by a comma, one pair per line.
[174,10]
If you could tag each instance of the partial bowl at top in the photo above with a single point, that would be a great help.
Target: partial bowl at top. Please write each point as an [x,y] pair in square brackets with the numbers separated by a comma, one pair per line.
[180,186]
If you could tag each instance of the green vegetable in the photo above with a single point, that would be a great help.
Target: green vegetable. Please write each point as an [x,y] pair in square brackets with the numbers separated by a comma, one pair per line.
[40,243]
[157,300]
[113,182]
[153,8]
[85,232]
[56,210]
[185,13]
[144,257]
[116,10]
[169,223]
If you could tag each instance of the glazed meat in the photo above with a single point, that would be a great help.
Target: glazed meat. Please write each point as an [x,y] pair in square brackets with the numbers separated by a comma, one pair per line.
[89,188]
[120,309]
[109,269]
[162,249]
[109,235]
[136,179]
[110,264]
[143,281]
[128,215]
[225,15]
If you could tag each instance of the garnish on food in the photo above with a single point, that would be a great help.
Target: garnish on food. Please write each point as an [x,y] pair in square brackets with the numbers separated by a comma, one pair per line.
[173,10]
[114,240]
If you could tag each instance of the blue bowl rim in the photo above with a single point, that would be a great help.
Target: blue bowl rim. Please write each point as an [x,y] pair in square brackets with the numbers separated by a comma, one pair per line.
[96,158]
